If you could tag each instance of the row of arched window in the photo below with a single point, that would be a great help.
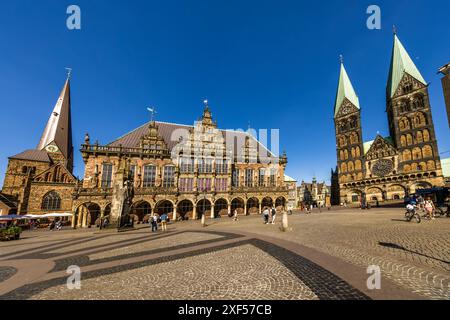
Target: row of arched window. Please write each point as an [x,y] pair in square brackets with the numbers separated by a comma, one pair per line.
[417,153]
[422,166]
[411,105]
[355,152]
[351,177]
[353,139]
[419,137]
[351,166]
[417,121]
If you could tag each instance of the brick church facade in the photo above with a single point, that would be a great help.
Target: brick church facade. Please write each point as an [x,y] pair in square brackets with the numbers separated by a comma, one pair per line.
[387,168]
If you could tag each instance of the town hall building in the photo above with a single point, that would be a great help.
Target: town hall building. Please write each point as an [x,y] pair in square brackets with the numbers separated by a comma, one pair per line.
[182,170]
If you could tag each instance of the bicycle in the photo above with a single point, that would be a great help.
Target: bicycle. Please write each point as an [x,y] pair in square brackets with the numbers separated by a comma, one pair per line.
[412,213]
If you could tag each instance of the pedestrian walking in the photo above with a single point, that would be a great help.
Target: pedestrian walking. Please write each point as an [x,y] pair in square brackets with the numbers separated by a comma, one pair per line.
[164,219]
[274,215]
[429,207]
[235,215]
[154,222]
[266,215]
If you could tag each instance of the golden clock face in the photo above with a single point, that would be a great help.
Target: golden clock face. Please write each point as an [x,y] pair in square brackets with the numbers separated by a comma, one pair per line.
[52,148]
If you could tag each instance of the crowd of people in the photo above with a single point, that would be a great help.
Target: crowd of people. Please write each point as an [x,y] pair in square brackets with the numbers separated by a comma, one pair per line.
[426,205]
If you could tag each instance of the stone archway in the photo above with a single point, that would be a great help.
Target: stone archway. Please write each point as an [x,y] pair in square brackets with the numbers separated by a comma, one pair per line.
[253,206]
[185,208]
[221,207]
[141,209]
[164,206]
[237,204]
[203,208]
[396,192]
[87,214]
[94,213]
[419,185]
[375,194]
[354,196]
[267,202]
[280,203]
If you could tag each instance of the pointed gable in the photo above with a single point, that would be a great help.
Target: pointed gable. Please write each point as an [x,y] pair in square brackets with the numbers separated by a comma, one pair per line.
[58,130]
[379,148]
[401,63]
[57,173]
[345,91]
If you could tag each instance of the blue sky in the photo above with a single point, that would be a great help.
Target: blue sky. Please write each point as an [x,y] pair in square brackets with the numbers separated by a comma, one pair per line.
[273,63]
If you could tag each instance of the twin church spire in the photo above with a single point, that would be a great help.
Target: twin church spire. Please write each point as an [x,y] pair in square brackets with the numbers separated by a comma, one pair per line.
[401,63]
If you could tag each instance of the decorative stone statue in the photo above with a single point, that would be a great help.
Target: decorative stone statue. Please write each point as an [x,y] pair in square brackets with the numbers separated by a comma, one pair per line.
[122,200]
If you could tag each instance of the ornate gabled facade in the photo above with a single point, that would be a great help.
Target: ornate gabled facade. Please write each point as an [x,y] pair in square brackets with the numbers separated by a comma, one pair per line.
[182,170]
[313,193]
[41,180]
[392,167]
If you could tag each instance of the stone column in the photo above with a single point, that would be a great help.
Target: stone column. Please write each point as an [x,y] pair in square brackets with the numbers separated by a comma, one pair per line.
[212,211]
[260,207]
[174,213]
[74,217]
[229,208]
[80,216]
[84,221]
[245,208]
[194,212]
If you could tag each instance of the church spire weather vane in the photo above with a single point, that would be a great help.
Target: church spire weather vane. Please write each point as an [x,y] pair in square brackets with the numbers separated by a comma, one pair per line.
[152,111]
[69,72]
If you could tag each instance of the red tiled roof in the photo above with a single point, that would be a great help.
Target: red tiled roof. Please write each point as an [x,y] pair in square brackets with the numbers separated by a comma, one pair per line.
[32,155]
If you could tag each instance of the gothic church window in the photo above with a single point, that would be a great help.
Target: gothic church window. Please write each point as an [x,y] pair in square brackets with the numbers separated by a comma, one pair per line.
[416,154]
[420,120]
[431,165]
[409,139]
[343,167]
[404,124]
[426,135]
[51,201]
[427,152]
[351,168]
[358,165]
[403,141]
[419,137]
[406,155]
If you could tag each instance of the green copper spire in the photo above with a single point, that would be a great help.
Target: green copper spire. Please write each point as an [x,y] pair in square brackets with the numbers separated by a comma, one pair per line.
[401,63]
[345,90]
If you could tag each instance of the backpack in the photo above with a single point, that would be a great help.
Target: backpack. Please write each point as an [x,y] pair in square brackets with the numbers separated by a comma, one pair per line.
[274,211]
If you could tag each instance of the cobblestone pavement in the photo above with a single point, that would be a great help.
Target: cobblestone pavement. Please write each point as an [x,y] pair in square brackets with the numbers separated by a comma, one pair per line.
[324,256]
[415,256]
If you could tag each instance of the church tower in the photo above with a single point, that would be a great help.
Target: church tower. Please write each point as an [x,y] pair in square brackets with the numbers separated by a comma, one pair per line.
[409,116]
[347,121]
[34,172]
[57,136]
